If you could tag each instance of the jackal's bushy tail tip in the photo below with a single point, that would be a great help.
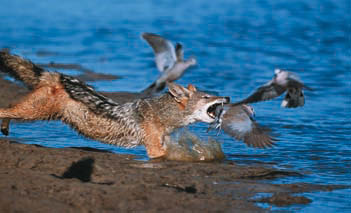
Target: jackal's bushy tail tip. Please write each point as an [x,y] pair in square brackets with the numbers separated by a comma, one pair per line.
[20,69]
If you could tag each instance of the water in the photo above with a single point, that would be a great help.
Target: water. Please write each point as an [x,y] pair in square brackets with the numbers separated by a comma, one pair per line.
[237,44]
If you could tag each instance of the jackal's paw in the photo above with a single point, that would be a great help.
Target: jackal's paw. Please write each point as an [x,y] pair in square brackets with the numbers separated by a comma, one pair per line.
[5,131]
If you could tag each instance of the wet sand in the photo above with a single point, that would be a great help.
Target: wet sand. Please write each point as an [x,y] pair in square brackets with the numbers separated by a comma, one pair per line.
[40,179]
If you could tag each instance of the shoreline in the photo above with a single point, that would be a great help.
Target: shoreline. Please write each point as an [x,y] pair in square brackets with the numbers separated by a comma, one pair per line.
[40,179]
[35,178]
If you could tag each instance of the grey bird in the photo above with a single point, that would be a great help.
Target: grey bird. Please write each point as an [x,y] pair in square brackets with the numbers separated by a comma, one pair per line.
[238,122]
[169,60]
[281,82]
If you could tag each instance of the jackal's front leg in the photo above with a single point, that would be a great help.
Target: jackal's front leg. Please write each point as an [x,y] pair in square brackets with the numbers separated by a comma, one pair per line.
[154,143]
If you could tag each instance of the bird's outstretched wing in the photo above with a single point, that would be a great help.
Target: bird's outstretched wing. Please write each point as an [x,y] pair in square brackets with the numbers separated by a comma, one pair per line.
[237,123]
[266,92]
[294,82]
[165,53]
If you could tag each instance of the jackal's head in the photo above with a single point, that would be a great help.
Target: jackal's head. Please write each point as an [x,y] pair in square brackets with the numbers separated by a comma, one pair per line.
[196,106]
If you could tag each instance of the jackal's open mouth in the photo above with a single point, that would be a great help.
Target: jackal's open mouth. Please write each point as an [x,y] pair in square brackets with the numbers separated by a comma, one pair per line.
[211,111]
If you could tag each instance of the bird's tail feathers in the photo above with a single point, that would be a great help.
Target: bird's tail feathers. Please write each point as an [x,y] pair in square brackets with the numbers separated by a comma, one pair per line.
[294,98]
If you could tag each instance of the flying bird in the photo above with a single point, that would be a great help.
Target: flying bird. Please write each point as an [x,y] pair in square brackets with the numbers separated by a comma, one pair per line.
[283,81]
[169,59]
[238,122]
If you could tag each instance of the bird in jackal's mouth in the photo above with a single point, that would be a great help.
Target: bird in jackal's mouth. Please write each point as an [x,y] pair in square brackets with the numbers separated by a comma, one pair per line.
[238,122]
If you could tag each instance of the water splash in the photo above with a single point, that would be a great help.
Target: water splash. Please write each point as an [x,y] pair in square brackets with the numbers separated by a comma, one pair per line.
[186,146]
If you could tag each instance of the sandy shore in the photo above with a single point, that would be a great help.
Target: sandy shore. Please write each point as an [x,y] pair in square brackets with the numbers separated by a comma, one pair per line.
[39,179]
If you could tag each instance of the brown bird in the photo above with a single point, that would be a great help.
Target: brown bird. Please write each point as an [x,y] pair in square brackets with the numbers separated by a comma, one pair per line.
[238,122]
[281,82]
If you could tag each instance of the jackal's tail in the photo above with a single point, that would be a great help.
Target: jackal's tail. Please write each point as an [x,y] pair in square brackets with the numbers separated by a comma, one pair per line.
[21,69]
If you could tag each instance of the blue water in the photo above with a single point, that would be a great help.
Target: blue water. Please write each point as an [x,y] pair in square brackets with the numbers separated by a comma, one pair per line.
[237,43]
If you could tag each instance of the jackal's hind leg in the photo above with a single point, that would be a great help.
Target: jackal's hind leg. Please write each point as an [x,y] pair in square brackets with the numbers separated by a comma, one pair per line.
[41,104]
[5,126]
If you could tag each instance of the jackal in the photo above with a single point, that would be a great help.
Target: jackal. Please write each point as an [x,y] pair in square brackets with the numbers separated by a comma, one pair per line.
[146,121]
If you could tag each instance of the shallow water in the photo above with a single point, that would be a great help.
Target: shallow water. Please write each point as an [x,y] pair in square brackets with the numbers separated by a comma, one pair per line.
[237,44]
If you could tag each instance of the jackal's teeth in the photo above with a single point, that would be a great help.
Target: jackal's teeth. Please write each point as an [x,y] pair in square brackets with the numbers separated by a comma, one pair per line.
[211,111]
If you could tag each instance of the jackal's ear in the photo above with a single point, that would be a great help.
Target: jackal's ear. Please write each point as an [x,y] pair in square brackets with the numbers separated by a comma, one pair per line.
[191,88]
[178,92]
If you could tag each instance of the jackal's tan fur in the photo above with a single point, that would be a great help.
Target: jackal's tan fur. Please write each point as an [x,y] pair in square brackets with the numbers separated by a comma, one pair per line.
[143,121]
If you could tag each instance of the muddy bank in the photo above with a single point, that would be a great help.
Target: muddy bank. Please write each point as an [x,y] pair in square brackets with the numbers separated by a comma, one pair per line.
[86,74]
[34,178]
